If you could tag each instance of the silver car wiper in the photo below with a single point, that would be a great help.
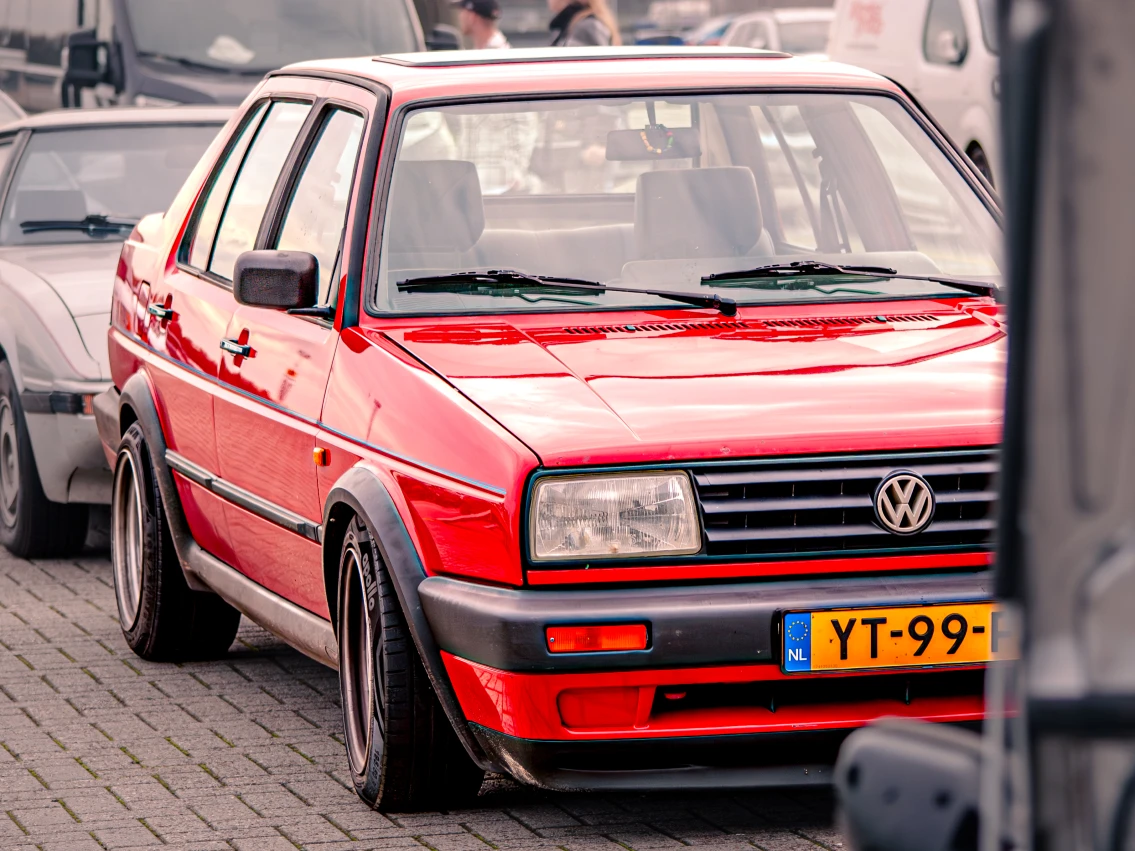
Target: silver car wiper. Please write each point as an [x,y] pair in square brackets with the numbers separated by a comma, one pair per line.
[496,280]
[92,224]
[789,273]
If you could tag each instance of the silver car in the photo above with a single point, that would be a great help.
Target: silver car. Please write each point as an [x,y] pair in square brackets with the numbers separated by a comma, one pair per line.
[73,184]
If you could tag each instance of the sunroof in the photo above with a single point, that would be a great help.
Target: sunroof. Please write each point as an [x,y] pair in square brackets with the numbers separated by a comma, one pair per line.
[442,58]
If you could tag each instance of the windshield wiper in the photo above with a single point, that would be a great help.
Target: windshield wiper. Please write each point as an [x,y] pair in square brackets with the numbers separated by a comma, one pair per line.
[496,280]
[787,273]
[92,224]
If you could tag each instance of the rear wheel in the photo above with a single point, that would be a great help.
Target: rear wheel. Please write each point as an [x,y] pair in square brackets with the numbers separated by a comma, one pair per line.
[31,525]
[161,618]
[403,753]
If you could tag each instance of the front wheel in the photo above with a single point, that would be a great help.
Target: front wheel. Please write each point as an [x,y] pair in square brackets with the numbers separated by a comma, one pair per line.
[161,618]
[403,753]
[31,525]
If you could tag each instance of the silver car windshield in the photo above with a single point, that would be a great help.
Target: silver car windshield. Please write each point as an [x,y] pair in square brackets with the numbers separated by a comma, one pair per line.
[255,36]
[89,183]
[661,193]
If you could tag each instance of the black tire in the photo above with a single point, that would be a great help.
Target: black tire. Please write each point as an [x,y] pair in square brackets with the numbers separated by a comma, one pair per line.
[403,754]
[980,160]
[31,525]
[162,619]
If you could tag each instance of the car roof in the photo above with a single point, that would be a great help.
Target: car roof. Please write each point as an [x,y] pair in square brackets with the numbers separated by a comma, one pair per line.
[587,70]
[66,118]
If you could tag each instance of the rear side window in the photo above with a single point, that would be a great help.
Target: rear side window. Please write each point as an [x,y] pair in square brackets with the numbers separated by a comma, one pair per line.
[317,211]
[240,221]
[201,240]
[944,40]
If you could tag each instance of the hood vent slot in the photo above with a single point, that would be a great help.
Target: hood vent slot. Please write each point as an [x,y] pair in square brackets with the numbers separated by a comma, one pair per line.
[657,326]
[849,321]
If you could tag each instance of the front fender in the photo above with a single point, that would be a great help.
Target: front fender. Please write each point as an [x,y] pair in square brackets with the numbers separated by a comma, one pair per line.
[363,492]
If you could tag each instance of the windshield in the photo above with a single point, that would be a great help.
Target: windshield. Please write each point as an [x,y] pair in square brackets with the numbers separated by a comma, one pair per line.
[255,36]
[804,36]
[122,173]
[660,193]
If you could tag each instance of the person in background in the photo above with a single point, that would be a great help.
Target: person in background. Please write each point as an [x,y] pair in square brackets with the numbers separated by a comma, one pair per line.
[583,23]
[478,19]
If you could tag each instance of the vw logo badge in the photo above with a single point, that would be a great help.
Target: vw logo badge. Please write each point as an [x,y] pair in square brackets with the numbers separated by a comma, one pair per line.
[904,503]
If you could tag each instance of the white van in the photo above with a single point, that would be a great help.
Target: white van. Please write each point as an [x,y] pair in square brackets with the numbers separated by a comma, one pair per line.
[943,51]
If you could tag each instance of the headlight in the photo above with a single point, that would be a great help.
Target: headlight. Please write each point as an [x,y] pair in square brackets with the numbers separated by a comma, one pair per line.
[632,514]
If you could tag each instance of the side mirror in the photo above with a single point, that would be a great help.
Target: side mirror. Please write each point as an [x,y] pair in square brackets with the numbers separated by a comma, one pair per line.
[444,37]
[910,786]
[85,64]
[285,280]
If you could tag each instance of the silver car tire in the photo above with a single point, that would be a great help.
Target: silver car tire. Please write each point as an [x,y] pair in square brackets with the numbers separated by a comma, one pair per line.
[31,526]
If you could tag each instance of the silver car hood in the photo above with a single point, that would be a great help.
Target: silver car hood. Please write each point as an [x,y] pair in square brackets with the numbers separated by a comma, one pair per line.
[82,275]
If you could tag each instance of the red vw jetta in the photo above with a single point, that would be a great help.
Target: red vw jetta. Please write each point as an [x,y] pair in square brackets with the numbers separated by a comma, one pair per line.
[608,418]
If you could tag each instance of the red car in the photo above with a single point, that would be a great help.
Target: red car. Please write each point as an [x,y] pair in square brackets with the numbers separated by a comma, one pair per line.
[609,418]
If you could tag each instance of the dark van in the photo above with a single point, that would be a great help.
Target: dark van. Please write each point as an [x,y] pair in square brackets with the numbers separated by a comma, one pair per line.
[152,52]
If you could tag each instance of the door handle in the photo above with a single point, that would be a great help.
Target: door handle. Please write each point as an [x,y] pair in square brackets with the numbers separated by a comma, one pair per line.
[160,311]
[234,347]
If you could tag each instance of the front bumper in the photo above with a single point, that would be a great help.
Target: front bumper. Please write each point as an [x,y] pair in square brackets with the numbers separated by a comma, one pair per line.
[706,704]
[65,443]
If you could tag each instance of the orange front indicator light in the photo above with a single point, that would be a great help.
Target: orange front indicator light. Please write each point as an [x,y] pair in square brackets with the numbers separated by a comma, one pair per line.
[592,639]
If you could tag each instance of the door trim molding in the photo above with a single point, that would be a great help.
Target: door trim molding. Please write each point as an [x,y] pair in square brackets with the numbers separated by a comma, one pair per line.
[245,499]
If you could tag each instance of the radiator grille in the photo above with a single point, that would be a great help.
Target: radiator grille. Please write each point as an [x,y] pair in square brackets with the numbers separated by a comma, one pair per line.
[826,505]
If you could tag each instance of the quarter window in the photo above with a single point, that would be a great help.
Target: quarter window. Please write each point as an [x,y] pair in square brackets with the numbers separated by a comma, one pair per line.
[201,241]
[317,211]
[240,221]
[944,40]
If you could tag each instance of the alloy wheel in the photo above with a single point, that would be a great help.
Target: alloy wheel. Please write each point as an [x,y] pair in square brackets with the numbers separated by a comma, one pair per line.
[9,462]
[356,663]
[127,539]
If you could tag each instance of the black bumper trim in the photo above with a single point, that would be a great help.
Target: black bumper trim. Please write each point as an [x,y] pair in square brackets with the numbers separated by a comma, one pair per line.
[691,762]
[723,624]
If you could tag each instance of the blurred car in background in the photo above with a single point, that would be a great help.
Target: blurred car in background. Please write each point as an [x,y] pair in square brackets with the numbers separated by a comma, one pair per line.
[75,184]
[162,52]
[803,32]
[9,110]
[709,33]
[944,52]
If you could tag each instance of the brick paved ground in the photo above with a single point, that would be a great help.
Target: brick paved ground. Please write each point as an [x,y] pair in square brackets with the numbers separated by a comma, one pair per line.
[99,749]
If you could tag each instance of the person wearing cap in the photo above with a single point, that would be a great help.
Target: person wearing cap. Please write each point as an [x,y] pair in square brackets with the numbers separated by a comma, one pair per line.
[478,19]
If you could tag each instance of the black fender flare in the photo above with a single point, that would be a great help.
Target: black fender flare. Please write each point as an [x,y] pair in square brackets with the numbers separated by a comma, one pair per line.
[365,494]
[137,395]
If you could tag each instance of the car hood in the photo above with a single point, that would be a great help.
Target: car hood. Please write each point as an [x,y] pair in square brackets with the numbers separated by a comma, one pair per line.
[848,378]
[82,275]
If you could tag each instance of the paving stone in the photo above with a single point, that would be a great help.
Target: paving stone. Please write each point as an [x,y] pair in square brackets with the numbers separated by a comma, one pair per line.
[102,750]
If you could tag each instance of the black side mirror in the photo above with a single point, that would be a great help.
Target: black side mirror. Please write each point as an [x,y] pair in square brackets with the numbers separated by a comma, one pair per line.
[85,66]
[443,37]
[284,280]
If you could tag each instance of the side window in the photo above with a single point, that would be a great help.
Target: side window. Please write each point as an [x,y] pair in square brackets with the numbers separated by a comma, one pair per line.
[944,40]
[50,22]
[756,36]
[317,210]
[252,190]
[205,230]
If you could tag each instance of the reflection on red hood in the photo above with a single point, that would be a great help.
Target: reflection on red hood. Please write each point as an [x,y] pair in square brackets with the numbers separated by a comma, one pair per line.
[831,378]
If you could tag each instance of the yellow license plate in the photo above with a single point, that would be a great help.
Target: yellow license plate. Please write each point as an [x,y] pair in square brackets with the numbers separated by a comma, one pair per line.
[901,637]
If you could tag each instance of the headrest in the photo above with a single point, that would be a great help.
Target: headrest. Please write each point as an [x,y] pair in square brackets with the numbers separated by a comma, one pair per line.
[38,205]
[696,212]
[435,205]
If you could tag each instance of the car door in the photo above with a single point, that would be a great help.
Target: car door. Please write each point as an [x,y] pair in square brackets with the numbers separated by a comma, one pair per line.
[189,309]
[272,397]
